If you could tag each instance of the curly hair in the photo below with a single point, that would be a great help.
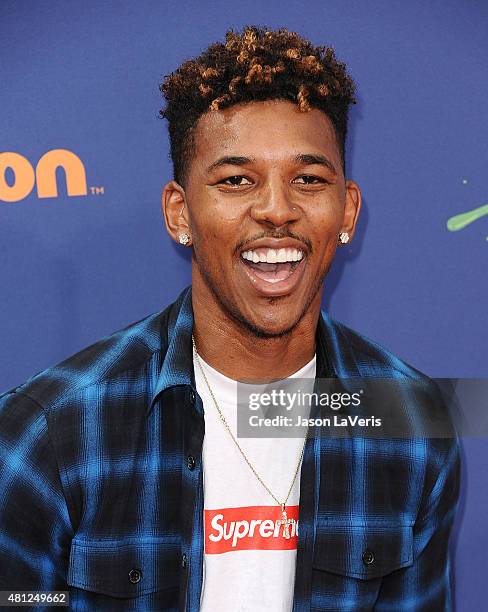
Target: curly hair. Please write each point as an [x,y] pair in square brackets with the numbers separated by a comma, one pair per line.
[254,65]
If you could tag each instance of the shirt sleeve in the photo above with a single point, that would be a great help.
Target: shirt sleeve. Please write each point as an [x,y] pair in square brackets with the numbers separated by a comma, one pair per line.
[35,527]
[425,585]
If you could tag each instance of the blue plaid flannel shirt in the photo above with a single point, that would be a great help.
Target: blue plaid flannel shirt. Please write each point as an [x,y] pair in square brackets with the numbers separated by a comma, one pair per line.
[101,488]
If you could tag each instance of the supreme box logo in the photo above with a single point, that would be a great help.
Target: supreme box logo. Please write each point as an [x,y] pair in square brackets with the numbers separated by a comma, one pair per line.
[250,528]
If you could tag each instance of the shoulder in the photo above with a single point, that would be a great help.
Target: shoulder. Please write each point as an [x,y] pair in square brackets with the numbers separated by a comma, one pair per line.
[121,353]
[356,353]
[411,402]
[419,398]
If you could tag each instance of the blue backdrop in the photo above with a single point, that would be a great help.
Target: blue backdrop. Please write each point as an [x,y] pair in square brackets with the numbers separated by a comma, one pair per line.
[83,77]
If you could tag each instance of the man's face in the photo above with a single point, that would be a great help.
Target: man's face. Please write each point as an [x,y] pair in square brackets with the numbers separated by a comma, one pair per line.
[265,202]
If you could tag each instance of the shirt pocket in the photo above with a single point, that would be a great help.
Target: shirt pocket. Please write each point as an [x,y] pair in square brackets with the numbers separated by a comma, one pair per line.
[350,561]
[124,569]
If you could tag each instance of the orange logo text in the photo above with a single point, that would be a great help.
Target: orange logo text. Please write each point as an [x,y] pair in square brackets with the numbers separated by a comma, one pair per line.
[43,177]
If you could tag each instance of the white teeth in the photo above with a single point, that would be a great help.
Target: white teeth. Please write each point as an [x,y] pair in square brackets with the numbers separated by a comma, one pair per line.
[273,255]
[281,256]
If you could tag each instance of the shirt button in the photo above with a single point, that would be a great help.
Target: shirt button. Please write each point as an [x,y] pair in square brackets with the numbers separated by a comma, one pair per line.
[135,576]
[368,557]
[183,560]
[190,462]
[192,396]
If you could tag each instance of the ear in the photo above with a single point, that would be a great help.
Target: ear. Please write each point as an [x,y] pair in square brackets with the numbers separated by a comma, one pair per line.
[175,211]
[351,208]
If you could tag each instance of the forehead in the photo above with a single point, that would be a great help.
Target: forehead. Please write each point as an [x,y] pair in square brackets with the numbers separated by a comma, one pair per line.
[269,130]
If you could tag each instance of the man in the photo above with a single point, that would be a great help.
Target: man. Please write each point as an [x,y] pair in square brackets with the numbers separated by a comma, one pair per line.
[123,479]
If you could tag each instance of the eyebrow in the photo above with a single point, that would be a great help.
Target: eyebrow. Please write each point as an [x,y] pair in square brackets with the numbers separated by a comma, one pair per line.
[306,159]
[231,160]
[312,159]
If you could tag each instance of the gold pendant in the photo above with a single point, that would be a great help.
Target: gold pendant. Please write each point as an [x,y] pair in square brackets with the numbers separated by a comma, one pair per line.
[286,522]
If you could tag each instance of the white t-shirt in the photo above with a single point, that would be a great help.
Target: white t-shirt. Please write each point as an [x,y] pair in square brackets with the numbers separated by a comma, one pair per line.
[248,563]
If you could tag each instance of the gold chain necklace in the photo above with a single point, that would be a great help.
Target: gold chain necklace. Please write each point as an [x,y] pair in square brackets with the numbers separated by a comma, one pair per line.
[285,521]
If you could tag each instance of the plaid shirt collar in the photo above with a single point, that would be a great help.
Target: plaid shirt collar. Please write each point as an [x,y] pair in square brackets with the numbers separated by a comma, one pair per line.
[177,369]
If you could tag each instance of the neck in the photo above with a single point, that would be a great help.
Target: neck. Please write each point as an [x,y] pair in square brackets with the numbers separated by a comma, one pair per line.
[232,349]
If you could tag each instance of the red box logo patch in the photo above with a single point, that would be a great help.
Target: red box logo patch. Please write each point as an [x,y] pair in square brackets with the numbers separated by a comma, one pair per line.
[250,528]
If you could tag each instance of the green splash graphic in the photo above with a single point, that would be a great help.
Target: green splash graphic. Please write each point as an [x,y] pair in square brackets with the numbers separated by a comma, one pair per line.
[460,221]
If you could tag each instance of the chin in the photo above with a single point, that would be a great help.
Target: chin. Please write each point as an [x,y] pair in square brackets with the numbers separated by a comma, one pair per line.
[268,329]
[275,319]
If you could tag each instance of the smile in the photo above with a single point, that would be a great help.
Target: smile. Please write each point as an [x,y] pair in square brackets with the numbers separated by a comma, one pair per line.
[273,271]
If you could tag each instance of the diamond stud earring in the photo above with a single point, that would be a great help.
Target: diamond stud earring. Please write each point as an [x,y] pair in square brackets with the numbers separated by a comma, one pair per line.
[343,237]
[184,239]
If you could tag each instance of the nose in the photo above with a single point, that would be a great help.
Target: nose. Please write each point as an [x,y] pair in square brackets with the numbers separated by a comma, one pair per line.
[274,206]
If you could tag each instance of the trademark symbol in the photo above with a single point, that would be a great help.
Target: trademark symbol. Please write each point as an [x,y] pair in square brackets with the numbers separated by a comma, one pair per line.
[97,190]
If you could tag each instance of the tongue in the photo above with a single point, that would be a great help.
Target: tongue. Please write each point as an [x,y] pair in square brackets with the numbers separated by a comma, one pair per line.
[271,272]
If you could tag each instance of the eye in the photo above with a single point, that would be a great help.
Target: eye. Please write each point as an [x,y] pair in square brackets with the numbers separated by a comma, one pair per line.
[309,179]
[236,181]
